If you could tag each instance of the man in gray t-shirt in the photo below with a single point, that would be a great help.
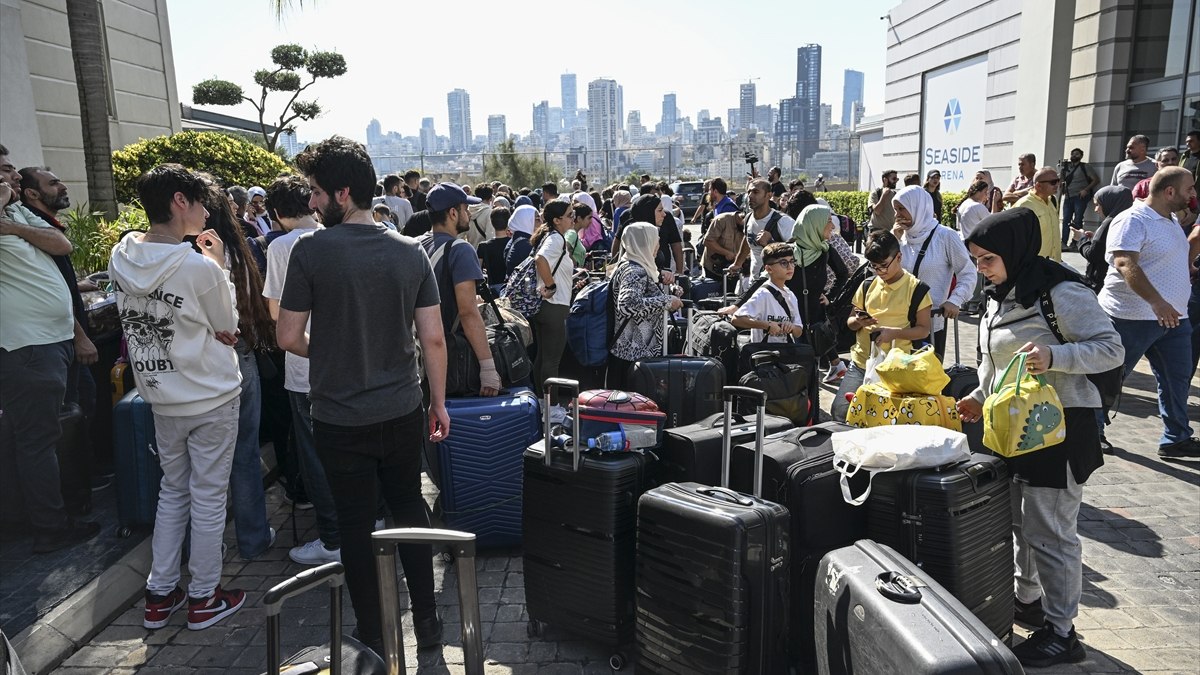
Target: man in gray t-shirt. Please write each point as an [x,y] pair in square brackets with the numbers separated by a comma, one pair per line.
[364,287]
[1137,166]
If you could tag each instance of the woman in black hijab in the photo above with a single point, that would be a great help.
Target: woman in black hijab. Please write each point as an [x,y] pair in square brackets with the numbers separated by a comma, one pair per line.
[1110,200]
[1048,484]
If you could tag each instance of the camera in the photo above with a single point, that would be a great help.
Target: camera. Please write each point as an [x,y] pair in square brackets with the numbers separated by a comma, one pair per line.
[751,158]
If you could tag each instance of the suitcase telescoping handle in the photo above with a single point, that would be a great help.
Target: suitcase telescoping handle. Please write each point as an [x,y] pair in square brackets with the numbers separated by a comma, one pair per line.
[690,313]
[463,547]
[550,385]
[331,573]
[760,399]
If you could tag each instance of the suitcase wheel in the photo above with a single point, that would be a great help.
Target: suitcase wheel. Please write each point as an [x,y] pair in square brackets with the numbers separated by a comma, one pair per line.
[616,661]
[124,532]
[535,628]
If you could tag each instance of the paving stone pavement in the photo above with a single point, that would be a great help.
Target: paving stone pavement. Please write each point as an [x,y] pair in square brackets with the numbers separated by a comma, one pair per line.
[1140,526]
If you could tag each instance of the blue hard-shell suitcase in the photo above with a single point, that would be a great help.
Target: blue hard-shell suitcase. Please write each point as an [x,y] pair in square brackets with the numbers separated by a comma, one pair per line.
[135,459]
[480,464]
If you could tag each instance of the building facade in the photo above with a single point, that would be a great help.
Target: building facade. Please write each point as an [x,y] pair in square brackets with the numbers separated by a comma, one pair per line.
[604,121]
[852,92]
[39,107]
[458,104]
[497,131]
[570,103]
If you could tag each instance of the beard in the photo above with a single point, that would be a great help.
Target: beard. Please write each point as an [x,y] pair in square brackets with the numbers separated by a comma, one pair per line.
[332,214]
[462,225]
[60,203]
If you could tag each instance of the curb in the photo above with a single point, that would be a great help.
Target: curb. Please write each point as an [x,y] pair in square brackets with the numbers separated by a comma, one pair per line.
[53,638]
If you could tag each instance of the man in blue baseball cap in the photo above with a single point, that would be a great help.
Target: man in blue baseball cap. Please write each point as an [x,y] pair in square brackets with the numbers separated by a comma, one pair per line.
[445,196]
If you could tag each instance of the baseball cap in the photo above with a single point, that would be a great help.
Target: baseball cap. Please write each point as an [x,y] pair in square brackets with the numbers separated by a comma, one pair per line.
[933,173]
[256,191]
[444,196]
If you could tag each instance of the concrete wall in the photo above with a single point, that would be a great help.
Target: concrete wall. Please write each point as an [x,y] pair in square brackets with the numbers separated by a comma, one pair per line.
[145,102]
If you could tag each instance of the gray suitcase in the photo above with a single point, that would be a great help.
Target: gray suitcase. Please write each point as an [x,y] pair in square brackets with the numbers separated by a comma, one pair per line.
[876,612]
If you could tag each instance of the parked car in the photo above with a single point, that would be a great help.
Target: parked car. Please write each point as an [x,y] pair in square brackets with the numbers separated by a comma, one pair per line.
[691,193]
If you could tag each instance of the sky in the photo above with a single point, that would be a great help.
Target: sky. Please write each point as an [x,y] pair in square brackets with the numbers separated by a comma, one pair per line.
[509,55]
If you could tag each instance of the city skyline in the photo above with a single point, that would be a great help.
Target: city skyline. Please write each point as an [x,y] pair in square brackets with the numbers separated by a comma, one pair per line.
[524,72]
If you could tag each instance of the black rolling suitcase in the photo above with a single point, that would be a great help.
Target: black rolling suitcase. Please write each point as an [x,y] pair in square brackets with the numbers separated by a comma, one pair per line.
[798,473]
[687,388]
[712,575]
[692,453]
[956,523]
[877,612]
[341,654]
[580,520]
[963,381]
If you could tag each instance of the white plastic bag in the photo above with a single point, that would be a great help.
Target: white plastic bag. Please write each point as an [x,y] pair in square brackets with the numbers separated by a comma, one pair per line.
[893,448]
[876,357]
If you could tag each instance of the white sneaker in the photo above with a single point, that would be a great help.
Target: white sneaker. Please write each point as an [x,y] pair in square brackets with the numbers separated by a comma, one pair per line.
[558,414]
[314,553]
[835,373]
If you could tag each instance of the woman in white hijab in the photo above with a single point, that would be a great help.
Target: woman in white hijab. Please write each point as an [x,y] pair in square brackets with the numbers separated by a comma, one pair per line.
[521,223]
[935,255]
[640,303]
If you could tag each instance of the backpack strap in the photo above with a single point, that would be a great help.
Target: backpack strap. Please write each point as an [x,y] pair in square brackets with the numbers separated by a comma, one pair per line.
[782,303]
[1046,305]
[772,226]
[914,302]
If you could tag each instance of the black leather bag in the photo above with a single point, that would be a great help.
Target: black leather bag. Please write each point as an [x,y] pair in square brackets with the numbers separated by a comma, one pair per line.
[786,386]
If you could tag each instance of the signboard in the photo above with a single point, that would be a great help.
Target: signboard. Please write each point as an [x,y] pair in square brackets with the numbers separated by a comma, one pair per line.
[952,120]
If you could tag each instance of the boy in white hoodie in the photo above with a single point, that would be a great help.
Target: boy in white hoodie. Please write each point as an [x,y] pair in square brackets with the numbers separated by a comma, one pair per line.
[178,316]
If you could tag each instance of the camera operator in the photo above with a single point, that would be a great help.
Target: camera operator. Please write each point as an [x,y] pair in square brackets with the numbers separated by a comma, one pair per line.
[1079,179]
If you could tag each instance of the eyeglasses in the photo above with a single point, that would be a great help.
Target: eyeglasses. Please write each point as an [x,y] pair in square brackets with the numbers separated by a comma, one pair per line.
[785,263]
[883,267]
[1054,181]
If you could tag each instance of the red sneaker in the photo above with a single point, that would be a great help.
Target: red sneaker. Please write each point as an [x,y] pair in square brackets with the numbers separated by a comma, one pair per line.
[159,608]
[204,612]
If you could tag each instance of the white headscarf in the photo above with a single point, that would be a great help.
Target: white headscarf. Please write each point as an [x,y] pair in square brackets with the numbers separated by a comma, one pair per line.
[522,218]
[920,206]
[638,241]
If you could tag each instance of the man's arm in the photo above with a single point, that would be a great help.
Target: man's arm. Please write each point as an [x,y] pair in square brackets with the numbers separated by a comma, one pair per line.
[1093,179]
[85,351]
[677,253]
[433,353]
[1013,195]
[1126,263]
[47,239]
[291,336]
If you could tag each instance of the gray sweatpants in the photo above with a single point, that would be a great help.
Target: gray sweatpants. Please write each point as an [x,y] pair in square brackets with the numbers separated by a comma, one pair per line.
[1046,549]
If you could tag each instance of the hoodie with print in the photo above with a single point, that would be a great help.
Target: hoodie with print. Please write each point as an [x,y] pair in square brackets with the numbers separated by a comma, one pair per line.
[173,301]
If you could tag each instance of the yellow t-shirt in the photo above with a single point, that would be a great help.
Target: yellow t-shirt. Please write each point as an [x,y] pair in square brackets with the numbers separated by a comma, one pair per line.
[887,303]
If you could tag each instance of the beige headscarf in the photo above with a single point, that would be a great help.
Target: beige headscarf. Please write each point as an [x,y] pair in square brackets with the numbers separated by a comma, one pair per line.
[638,243]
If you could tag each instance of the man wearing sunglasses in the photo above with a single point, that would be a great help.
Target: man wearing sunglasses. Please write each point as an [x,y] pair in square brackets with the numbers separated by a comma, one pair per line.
[1040,200]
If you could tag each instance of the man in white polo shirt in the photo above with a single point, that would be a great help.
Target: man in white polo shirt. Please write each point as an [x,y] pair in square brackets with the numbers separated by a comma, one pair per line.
[1146,294]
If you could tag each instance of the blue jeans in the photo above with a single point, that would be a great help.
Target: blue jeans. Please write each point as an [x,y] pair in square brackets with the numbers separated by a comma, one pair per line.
[316,486]
[34,385]
[245,478]
[1073,208]
[1167,349]
[1194,317]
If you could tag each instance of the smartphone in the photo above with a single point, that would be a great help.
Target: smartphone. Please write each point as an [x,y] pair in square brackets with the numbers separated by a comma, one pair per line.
[862,314]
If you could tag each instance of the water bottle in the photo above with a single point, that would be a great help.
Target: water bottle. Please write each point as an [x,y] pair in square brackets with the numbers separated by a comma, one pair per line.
[639,436]
[609,441]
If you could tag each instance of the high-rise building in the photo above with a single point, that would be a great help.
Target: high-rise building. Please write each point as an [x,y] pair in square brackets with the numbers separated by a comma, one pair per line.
[852,92]
[497,130]
[788,135]
[429,140]
[604,121]
[808,96]
[733,118]
[764,118]
[747,100]
[374,132]
[541,120]
[569,101]
[859,111]
[826,120]
[620,104]
[635,133]
[459,104]
[703,116]
[555,122]
[670,117]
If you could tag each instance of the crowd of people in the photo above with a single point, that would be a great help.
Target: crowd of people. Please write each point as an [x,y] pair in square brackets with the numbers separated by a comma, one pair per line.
[247,314]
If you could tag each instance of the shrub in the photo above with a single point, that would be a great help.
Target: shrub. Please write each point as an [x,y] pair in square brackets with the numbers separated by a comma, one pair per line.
[854,204]
[94,236]
[231,160]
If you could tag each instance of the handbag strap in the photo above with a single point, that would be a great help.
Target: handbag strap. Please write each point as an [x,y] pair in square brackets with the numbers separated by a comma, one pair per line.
[782,303]
[924,248]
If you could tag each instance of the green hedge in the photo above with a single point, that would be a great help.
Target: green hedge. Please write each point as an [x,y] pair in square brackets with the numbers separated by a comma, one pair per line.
[231,160]
[854,204]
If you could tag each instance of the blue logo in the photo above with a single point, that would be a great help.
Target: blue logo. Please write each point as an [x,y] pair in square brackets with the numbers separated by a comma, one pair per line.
[953,115]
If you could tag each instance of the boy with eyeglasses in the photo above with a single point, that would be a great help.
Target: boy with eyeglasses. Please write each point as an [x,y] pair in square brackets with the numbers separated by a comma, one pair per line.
[892,310]
[772,309]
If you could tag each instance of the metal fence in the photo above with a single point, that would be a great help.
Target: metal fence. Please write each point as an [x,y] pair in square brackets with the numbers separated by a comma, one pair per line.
[665,161]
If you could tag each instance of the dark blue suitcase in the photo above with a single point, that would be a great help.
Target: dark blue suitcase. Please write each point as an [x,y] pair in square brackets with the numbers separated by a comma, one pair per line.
[687,388]
[480,464]
[135,460]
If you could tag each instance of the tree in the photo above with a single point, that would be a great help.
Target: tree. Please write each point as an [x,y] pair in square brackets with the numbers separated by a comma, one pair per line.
[517,170]
[231,160]
[91,78]
[289,60]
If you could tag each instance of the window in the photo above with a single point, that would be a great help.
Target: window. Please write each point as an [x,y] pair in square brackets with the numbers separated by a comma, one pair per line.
[1159,121]
[1160,41]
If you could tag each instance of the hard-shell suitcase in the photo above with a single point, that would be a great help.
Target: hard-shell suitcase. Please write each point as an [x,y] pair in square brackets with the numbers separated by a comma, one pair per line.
[120,380]
[135,462]
[74,460]
[798,473]
[687,388]
[462,548]
[963,381]
[479,465]
[580,520]
[956,523]
[712,574]
[341,654]
[877,612]
[692,453]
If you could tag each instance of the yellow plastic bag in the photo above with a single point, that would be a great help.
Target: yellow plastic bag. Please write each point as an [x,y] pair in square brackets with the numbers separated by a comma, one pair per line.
[1023,415]
[918,373]
[874,405]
